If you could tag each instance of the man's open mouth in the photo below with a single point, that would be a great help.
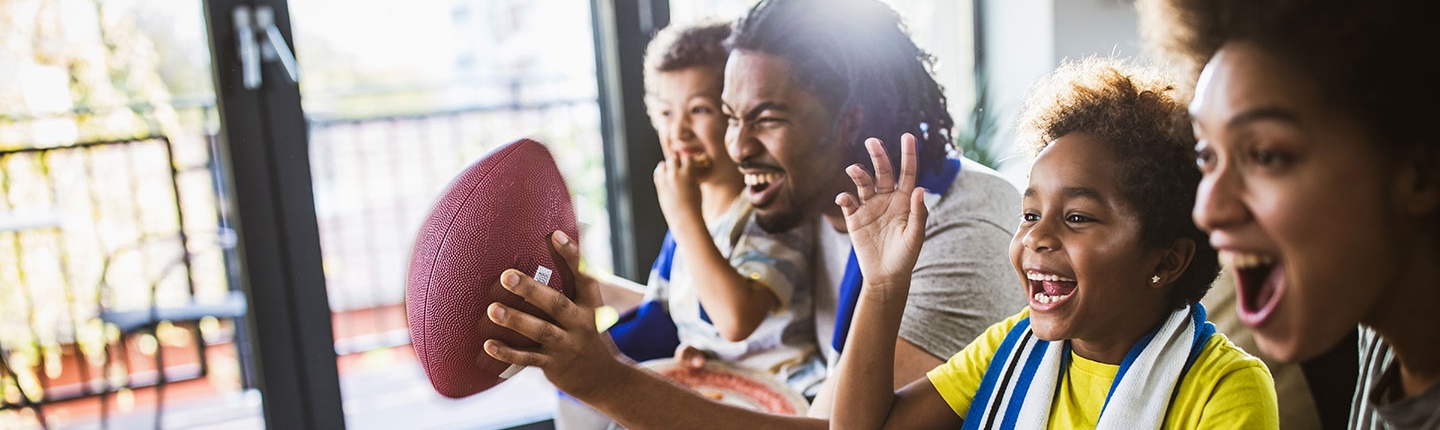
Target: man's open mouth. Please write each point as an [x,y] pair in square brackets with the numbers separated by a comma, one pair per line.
[760,187]
[759,181]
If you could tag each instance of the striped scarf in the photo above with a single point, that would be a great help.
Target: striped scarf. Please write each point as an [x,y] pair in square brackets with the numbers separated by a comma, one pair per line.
[1024,376]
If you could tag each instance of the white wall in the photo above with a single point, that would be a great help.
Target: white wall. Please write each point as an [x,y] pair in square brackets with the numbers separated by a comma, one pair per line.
[1025,39]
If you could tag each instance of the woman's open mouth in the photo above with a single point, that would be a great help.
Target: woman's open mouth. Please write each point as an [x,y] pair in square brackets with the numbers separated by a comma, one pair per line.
[1048,290]
[1259,280]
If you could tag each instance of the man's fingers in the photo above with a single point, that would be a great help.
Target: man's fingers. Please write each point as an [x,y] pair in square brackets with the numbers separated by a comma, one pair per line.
[527,325]
[908,162]
[864,185]
[884,174]
[507,354]
[587,291]
[567,248]
[550,301]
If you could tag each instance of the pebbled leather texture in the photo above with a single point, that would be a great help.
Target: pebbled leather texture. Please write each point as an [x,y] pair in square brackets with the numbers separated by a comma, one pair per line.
[495,215]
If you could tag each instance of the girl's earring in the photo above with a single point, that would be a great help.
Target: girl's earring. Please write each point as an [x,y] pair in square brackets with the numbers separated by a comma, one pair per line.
[1155,279]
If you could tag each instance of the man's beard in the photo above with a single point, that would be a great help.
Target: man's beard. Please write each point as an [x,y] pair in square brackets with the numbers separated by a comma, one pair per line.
[778,221]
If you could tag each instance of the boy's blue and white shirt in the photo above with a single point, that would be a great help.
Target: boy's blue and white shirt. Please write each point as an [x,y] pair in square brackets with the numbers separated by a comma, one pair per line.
[784,343]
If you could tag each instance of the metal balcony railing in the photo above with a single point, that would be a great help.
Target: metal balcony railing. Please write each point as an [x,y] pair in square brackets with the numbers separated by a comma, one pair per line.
[117,256]
[107,246]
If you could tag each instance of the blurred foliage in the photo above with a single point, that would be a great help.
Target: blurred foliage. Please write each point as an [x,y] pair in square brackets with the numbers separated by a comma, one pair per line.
[74,71]
[88,72]
[976,136]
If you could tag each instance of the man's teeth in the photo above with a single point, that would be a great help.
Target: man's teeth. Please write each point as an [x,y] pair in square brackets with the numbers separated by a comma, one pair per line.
[760,178]
[1245,260]
[1046,277]
[1043,298]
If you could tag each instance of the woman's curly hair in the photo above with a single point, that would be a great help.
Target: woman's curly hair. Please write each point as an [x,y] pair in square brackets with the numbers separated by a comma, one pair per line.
[1135,110]
[1370,58]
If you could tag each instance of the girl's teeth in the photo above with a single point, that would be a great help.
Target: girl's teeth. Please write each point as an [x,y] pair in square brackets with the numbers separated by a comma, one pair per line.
[1046,299]
[1045,277]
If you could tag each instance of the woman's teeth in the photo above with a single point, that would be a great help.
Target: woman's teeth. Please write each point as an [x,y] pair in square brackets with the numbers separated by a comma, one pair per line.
[1046,277]
[1245,260]
[752,179]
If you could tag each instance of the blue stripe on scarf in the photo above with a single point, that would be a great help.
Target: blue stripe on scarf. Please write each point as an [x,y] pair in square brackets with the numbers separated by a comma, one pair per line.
[938,182]
[992,375]
[1125,365]
[850,296]
[1203,330]
[1031,365]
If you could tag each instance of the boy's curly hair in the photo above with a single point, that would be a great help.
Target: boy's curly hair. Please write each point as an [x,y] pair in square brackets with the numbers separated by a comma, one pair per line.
[1135,110]
[682,47]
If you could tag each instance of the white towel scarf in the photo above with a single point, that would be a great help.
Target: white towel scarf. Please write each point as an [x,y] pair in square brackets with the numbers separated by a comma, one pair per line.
[1023,378]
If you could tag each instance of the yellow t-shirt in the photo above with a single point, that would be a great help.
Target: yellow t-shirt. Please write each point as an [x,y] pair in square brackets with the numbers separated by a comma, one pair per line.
[1224,389]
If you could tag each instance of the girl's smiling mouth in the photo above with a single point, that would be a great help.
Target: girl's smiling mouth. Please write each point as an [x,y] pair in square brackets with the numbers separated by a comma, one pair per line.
[1047,290]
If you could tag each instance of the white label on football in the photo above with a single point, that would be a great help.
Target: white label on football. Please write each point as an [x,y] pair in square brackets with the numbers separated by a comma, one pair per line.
[511,371]
[542,275]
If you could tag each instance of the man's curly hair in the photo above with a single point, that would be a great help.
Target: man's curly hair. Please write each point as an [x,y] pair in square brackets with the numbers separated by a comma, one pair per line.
[679,47]
[1369,58]
[856,54]
[1135,111]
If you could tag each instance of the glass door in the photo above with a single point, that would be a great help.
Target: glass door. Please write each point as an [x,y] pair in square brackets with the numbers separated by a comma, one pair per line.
[398,98]
[123,303]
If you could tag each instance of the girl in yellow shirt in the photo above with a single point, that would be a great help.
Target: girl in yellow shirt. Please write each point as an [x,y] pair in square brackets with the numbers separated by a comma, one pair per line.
[1114,336]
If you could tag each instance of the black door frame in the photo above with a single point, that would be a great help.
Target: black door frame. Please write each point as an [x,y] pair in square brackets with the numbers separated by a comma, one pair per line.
[266,153]
[622,29]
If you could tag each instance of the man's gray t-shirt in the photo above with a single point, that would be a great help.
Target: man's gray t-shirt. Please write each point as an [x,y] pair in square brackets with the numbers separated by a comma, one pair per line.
[963,281]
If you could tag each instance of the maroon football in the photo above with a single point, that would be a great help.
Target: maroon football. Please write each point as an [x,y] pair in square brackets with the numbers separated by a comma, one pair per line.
[497,214]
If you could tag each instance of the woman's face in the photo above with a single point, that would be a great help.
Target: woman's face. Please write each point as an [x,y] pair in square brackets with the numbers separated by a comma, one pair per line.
[1299,200]
[1078,251]
[684,107]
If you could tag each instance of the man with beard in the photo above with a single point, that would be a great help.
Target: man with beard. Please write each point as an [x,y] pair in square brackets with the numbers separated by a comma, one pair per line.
[806,83]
